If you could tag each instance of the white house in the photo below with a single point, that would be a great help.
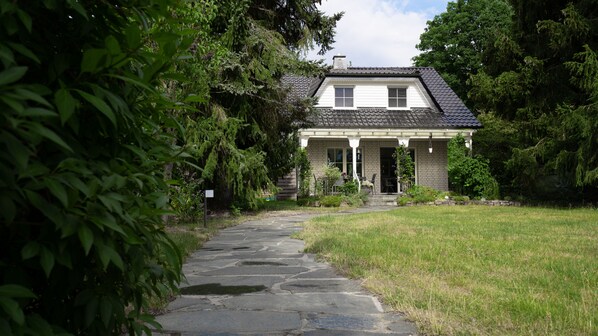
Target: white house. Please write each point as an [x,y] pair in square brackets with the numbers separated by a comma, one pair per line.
[363,114]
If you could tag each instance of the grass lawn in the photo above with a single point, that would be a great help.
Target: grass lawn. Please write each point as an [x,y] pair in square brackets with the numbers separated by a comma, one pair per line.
[473,270]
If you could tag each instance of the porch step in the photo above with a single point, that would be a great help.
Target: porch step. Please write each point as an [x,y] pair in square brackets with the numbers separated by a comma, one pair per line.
[288,186]
[382,200]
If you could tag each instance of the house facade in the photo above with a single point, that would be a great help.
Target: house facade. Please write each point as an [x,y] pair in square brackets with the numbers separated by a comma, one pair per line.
[363,114]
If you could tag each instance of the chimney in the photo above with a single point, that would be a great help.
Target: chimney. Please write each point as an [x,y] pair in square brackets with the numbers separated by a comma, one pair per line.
[339,62]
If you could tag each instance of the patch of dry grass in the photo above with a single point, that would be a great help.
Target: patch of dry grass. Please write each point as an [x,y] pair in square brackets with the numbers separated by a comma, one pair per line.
[473,270]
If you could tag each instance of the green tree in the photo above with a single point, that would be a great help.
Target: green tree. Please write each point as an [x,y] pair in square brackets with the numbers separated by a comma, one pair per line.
[458,42]
[242,132]
[82,245]
[547,91]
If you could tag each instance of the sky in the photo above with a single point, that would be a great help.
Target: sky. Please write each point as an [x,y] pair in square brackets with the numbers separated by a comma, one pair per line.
[379,32]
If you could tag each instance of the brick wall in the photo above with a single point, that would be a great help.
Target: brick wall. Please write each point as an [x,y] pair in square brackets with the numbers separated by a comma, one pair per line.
[431,169]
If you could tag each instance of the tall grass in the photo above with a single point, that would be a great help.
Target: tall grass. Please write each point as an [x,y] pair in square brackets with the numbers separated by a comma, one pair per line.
[473,270]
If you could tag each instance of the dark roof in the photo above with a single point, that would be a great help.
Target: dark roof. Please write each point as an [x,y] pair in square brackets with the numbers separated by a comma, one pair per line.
[380,118]
[449,112]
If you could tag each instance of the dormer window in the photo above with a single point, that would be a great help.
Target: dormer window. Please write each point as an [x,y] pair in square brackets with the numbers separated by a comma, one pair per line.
[397,97]
[343,97]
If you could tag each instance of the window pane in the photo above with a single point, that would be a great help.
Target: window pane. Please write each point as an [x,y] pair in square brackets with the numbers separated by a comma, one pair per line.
[392,92]
[349,92]
[330,155]
[339,102]
[338,92]
[402,93]
[339,156]
[402,102]
[348,102]
[392,102]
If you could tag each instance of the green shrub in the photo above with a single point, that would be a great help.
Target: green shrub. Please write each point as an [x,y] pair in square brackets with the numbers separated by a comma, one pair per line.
[331,175]
[402,200]
[470,175]
[331,201]
[304,171]
[349,188]
[423,192]
[420,194]
[352,200]
[83,155]
[461,198]
[308,201]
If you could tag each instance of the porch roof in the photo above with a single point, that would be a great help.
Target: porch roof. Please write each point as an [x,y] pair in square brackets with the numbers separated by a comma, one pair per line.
[383,133]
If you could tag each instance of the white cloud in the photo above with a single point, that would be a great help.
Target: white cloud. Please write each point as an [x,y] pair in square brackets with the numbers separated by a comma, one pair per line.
[375,32]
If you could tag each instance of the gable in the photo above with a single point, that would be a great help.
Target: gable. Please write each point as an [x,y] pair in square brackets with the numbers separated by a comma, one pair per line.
[373,92]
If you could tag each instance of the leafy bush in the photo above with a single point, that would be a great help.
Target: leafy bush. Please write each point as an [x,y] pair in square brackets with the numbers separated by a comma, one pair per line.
[331,201]
[405,166]
[331,175]
[461,198]
[304,169]
[352,200]
[308,201]
[419,194]
[470,175]
[423,192]
[82,156]
[349,188]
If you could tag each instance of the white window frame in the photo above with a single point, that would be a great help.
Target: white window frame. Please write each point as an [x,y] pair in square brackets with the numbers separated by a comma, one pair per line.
[344,87]
[388,97]
[346,163]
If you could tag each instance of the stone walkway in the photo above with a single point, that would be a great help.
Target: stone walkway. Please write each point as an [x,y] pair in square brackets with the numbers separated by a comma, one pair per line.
[253,279]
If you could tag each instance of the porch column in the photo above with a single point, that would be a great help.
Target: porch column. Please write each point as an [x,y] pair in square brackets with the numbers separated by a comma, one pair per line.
[354,143]
[303,141]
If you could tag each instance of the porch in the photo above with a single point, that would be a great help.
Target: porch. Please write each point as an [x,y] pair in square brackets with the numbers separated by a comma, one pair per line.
[372,156]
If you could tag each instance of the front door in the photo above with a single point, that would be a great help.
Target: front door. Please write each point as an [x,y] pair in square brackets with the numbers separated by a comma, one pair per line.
[388,166]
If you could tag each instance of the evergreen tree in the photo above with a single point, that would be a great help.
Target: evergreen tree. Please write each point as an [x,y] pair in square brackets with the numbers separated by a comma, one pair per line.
[547,92]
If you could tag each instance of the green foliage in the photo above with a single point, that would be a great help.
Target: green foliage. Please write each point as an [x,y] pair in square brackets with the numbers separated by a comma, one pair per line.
[331,175]
[546,91]
[458,42]
[331,201]
[308,201]
[304,172]
[348,188]
[82,244]
[353,200]
[469,175]
[186,198]
[422,194]
[242,126]
[405,167]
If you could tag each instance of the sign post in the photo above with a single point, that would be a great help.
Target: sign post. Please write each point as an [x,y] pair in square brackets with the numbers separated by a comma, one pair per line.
[206,194]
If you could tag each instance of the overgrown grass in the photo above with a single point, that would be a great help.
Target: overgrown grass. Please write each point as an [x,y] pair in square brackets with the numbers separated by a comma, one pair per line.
[473,270]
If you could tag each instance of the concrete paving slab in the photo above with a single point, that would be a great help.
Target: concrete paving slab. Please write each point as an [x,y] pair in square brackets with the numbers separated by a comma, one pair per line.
[342,322]
[324,286]
[335,303]
[255,280]
[230,321]
[254,270]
